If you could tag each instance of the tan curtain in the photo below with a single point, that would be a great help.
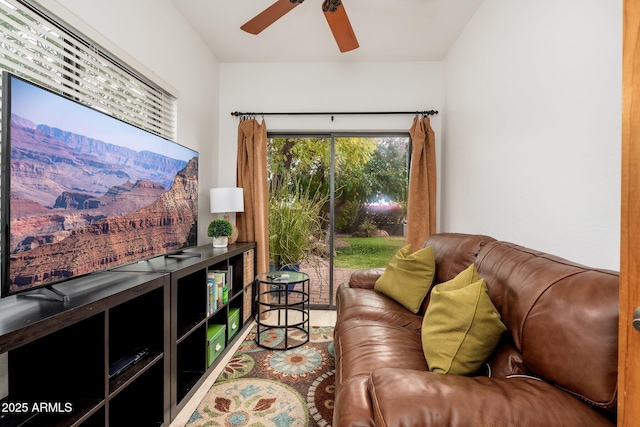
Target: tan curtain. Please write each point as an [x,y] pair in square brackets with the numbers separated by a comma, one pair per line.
[252,177]
[421,206]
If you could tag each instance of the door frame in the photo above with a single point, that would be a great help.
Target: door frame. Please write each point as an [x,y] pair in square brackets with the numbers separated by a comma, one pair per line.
[629,338]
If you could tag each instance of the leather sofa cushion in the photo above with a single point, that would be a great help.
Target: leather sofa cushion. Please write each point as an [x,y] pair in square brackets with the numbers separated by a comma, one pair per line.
[505,361]
[454,252]
[401,397]
[367,304]
[365,278]
[362,346]
[353,408]
[562,317]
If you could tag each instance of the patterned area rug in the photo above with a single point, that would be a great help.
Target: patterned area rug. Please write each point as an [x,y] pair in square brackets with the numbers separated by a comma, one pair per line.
[263,388]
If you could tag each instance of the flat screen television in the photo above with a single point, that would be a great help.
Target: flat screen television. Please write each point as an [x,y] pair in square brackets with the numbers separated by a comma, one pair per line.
[84,192]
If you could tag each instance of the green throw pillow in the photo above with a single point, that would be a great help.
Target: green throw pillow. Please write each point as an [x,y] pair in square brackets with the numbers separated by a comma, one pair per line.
[408,277]
[461,326]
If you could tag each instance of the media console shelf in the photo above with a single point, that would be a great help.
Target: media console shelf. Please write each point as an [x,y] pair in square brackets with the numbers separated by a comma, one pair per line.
[190,318]
[60,353]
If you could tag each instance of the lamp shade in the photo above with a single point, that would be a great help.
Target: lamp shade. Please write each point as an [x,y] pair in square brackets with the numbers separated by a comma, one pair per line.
[226,199]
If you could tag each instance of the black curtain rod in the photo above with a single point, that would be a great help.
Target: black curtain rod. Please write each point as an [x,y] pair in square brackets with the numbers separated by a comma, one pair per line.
[341,113]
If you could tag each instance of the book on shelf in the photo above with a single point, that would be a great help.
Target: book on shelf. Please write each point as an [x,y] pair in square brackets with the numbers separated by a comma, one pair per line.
[212,301]
[223,281]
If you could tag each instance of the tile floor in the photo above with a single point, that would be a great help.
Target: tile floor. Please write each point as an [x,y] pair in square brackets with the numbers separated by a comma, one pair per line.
[316,318]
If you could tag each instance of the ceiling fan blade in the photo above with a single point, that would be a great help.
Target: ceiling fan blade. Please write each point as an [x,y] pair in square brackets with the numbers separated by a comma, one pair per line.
[340,25]
[269,16]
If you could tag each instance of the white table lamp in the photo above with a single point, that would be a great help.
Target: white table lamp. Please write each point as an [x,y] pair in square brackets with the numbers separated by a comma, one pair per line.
[227,200]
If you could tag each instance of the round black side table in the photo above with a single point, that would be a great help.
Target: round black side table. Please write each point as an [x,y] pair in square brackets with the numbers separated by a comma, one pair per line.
[286,313]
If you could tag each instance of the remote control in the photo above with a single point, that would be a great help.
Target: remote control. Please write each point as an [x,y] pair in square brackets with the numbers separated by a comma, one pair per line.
[127,361]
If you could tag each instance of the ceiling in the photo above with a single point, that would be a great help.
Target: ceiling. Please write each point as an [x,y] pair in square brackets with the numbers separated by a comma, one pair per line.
[387,30]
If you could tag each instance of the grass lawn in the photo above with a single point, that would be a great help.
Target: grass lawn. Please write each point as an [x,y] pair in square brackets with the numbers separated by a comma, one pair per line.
[366,252]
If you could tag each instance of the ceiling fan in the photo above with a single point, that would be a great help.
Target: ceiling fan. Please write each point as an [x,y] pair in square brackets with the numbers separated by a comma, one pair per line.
[333,11]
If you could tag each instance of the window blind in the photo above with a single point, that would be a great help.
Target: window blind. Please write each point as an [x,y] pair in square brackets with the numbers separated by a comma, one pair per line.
[36,47]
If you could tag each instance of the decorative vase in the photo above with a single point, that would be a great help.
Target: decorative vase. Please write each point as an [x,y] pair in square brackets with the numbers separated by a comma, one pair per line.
[234,235]
[220,242]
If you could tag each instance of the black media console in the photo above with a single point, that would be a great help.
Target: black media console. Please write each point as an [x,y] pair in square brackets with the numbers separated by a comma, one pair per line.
[151,316]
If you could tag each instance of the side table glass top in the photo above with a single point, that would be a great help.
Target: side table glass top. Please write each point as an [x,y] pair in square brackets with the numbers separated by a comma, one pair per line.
[282,277]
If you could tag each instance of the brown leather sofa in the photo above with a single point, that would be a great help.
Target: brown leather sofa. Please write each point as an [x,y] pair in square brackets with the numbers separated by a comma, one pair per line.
[555,366]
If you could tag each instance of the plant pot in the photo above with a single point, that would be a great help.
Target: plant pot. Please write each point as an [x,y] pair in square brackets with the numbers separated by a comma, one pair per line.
[220,242]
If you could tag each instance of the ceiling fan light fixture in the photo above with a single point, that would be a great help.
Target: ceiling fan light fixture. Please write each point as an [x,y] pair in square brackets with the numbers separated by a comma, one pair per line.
[333,10]
[330,5]
[270,15]
[340,25]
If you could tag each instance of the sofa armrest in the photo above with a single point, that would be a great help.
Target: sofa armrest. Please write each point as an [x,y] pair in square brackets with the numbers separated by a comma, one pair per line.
[365,278]
[402,397]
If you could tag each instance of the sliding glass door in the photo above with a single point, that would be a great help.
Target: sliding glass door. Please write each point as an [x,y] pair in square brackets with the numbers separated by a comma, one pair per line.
[355,185]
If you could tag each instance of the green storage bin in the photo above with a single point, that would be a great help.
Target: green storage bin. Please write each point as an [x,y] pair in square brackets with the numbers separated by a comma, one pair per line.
[233,323]
[215,342]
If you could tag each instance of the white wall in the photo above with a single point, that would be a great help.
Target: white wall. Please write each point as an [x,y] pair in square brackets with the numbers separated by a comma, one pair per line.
[532,127]
[155,34]
[322,86]
[529,130]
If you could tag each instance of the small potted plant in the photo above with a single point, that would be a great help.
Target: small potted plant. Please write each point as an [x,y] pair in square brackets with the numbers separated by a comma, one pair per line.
[220,230]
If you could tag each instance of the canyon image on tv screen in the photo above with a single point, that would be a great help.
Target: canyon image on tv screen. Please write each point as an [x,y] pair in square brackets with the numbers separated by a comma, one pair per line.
[83,191]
